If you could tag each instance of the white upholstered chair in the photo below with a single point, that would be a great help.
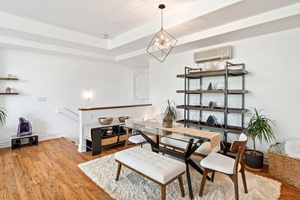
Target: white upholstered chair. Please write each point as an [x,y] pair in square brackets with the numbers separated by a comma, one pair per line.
[135,138]
[216,162]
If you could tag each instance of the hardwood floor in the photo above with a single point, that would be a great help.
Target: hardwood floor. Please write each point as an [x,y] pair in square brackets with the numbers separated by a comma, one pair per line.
[49,171]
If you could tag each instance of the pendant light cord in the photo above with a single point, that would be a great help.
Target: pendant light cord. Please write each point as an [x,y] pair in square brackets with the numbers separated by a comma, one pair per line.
[162,7]
[162,19]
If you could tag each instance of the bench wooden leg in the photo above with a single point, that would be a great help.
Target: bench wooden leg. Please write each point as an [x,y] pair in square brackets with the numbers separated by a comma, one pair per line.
[118,171]
[181,186]
[163,192]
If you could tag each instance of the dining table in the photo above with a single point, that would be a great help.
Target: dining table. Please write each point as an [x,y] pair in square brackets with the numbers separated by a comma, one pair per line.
[193,137]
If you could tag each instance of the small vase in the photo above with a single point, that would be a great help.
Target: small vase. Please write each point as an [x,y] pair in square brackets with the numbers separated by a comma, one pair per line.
[167,122]
[8,90]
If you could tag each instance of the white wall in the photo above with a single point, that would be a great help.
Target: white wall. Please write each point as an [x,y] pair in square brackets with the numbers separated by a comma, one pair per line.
[273,80]
[63,82]
[272,61]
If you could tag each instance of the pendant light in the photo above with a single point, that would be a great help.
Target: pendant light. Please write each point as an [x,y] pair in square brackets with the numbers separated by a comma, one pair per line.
[162,42]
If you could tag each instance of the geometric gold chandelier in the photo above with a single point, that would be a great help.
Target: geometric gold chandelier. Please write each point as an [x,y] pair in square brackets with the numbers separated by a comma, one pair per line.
[162,42]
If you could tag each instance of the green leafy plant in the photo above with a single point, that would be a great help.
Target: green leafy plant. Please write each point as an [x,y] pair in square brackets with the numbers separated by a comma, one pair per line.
[169,109]
[260,127]
[3,116]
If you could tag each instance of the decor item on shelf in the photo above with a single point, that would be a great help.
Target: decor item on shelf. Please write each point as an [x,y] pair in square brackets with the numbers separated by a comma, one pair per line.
[122,118]
[219,103]
[221,64]
[197,120]
[3,116]
[211,120]
[24,127]
[162,42]
[105,120]
[198,102]
[259,127]
[209,66]
[170,114]
[9,76]
[220,121]
[200,87]
[220,86]
[209,87]
[195,69]
[211,104]
[201,103]
[8,90]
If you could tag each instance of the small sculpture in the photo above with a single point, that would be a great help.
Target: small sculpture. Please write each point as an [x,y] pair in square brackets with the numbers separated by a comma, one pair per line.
[209,87]
[211,120]
[24,127]
[8,90]
[211,104]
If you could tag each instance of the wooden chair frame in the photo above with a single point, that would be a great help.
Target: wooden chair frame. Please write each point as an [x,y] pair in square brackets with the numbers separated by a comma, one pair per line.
[237,147]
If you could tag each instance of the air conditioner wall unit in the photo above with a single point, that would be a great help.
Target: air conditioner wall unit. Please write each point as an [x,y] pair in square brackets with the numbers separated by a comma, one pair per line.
[213,54]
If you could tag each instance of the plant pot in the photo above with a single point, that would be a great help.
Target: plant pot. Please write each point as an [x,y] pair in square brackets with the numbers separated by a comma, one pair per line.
[167,122]
[253,161]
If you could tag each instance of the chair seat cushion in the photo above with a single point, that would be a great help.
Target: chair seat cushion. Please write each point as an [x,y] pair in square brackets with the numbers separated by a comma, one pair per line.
[204,148]
[136,139]
[219,162]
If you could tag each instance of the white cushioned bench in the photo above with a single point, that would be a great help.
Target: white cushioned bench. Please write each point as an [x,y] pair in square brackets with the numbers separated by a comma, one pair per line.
[156,167]
[203,150]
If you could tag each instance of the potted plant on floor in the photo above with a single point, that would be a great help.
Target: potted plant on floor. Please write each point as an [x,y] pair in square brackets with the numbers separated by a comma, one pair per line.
[259,127]
[3,116]
[170,114]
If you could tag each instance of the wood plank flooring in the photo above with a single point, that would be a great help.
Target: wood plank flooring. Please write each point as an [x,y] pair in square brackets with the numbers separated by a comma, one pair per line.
[49,171]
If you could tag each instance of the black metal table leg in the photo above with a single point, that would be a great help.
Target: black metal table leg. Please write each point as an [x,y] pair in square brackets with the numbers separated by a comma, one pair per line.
[197,168]
[188,177]
[154,146]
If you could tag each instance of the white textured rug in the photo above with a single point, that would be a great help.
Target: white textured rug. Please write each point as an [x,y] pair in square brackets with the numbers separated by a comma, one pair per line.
[133,186]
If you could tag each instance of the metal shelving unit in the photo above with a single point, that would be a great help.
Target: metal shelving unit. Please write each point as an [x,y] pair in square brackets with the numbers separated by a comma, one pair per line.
[231,70]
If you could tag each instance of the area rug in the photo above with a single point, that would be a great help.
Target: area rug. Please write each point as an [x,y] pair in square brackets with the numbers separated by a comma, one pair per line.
[134,186]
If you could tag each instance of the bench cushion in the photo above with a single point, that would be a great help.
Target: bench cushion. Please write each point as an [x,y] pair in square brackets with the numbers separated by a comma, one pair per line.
[204,148]
[156,166]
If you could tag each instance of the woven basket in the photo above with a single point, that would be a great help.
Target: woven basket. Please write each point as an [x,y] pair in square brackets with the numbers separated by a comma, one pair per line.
[284,168]
[108,141]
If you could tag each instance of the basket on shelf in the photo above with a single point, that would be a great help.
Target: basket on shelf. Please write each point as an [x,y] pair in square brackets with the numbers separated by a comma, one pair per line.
[284,168]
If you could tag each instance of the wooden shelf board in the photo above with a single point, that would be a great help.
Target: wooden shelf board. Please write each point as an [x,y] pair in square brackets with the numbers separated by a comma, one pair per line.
[231,129]
[13,93]
[218,109]
[9,79]
[231,72]
[212,91]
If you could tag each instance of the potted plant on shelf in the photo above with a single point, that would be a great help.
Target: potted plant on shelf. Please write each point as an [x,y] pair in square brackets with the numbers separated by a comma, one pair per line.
[170,114]
[259,127]
[3,116]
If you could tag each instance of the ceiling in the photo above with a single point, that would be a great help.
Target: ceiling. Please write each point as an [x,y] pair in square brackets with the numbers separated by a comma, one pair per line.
[74,28]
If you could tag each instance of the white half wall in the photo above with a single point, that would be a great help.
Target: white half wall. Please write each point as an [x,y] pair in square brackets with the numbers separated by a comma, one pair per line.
[49,82]
[273,80]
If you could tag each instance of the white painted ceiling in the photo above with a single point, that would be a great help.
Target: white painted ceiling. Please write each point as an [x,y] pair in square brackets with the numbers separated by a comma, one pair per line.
[74,27]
